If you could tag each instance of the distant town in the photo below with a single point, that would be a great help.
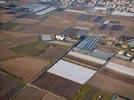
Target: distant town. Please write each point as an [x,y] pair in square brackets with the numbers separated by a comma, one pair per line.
[66,49]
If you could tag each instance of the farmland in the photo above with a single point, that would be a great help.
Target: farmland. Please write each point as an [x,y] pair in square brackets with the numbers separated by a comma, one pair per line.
[8,26]
[66,50]
[88,92]
[92,18]
[72,71]
[9,86]
[23,67]
[32,93]
[118,83]
[31,49]
[89,43]
[52,53]
[51,83]
[85,63]
[6,53]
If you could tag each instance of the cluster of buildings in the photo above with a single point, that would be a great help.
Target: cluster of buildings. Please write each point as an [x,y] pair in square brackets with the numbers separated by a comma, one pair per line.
[55,52]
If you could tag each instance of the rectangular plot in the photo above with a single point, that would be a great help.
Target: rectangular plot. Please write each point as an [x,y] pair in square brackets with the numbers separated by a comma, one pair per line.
[81,32]
[103,27]
[117,75]
[30,49]
[83,61]
[72,71]
[51,97]
[98,19]
[79,18]
[9,86]
[117,27]
[86,17]
[8,26]
[70,31]
[52,53]
[90,17]
[22,16]
[6,53]
[121,68]
[114,85]
[89,43]
[30,93]
[58,85]
[25,68]
[114,22]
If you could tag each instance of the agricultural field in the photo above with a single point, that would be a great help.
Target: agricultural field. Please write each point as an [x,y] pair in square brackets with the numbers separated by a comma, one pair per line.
[25,68]
[3,37]
[57,85]
[113,81]
[6,53]
[6,44]
[114,26]
[90,18]
[30,93]
[9,86]
[89,43]
[8,26]
[33,93]
[74,32]
[87,92]
[72,71]
[85,63]
[4,18]
[52,53]
[31,49]
[51,97]
[44,29]
[25,39]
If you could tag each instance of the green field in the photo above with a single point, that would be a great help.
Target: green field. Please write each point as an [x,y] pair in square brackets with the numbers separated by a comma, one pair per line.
[31,49]
[83,91]
[8,26]
[91,93]
[104,95]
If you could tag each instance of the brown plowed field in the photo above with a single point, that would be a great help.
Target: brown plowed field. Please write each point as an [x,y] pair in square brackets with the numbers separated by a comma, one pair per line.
[57,85]
[9,86]
[25,39]
[85,62]
[52,53]
[44,29]
[114,83]
[30,93]
[6,44]
[51,97]
[23,67]
[6,53]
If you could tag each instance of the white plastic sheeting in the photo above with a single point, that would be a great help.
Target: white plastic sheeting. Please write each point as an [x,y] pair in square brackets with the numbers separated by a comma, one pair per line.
[120,68]
[87,57]
[123,13]
[76,11]
[72,71]
[45,11]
